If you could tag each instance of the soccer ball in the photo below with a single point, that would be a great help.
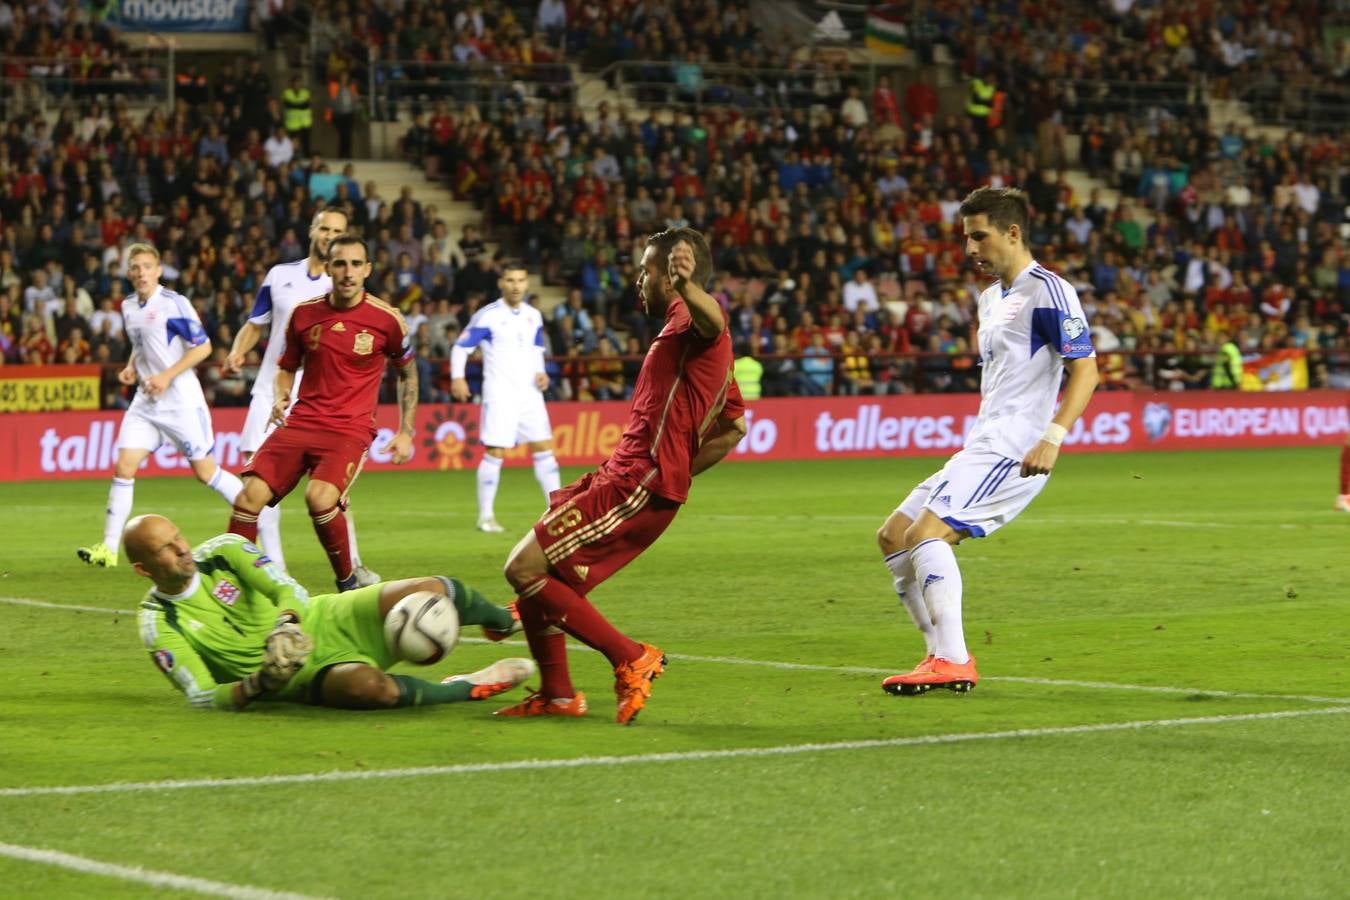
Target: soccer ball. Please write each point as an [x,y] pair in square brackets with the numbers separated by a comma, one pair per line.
[422,628]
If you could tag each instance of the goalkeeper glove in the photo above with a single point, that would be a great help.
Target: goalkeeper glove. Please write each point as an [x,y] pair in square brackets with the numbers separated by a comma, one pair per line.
[286,651]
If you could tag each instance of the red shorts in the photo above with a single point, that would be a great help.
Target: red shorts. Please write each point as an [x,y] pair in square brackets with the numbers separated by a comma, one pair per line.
[595,526]
[288,453]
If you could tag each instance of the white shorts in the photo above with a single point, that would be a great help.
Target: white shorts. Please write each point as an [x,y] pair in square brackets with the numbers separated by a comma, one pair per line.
[976,491]
[257,424]
[146,428]
[515,420]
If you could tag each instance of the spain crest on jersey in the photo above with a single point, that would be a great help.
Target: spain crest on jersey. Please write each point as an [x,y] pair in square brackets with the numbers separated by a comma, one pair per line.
[364,344]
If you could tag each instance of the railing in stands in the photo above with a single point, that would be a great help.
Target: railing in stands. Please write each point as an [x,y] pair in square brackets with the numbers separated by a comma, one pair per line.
[691,86]
[1309,108]
[41,81]
[1082,98]
[401,87]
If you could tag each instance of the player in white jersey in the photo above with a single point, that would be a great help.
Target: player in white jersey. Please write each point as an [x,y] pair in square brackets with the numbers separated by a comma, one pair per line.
[286,285]
[1032,328]
[167,344]
[511,334]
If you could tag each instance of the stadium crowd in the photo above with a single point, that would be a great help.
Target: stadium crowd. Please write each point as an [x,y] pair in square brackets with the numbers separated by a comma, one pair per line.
[832,215]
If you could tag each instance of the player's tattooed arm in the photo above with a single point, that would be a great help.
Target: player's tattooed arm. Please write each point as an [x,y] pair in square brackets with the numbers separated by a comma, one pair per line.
[407,397]
[400,447]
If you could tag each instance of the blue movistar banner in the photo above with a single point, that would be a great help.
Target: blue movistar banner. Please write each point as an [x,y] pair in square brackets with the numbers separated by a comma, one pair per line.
[182,15]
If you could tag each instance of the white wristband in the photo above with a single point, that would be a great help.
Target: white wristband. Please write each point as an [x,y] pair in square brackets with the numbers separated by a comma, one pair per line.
[1054,433]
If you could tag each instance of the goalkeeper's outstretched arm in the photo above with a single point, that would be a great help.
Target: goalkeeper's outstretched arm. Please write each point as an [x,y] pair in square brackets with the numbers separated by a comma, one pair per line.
[287,649]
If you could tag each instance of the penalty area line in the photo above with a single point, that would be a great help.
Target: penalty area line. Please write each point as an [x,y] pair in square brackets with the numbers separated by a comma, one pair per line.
[145,876]
[586,762]
[816,667]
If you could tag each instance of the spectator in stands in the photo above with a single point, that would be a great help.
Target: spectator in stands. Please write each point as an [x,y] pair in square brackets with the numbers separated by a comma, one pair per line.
[817,366]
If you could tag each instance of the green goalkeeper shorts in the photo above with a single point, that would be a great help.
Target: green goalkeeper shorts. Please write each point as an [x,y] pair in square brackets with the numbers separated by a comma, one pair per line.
[346,628]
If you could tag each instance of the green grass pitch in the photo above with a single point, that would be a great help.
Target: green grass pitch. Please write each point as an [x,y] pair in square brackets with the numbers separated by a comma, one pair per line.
[1164,641]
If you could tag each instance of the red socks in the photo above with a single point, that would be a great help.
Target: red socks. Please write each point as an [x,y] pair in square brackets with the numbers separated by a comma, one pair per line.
[331,527]
[557,604]
[1345,469]
[548,646]
[243,522]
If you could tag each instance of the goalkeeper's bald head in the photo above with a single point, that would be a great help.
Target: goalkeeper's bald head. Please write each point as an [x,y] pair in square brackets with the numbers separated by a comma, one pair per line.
[157,549]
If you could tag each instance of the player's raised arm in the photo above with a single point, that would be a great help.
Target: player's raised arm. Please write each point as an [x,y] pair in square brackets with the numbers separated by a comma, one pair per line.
[703,308]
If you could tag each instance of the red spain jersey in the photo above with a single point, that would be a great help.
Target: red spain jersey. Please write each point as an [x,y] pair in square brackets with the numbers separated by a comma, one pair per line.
[343,352]
[685,383]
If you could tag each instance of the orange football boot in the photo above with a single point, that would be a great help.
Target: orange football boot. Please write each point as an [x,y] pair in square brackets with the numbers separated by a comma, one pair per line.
[633,682]
[933,672]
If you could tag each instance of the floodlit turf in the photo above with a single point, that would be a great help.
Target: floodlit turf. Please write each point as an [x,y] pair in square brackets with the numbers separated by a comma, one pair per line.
[1216,580]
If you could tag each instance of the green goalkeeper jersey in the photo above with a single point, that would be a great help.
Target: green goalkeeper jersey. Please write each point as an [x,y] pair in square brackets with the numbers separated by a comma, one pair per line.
[214,632]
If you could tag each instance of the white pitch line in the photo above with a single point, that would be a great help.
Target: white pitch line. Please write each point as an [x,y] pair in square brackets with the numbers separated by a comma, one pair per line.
[815,667]
[582,762]
[145,876]
[1011,679]
[43,604]
[1033,520]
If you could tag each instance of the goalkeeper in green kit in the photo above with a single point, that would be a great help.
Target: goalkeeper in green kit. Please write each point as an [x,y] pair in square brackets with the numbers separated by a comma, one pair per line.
[228,627]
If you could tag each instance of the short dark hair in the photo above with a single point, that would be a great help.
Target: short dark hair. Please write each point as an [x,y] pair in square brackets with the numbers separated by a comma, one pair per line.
[1005,208]
[665,241]
[348,239]
[514,262]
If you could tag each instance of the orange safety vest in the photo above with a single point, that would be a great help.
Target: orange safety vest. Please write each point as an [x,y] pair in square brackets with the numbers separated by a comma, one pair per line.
[996,109]
[333,86]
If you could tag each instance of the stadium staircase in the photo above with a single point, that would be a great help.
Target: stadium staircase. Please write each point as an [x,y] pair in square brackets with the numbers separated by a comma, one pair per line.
[391,176]
[1223,114]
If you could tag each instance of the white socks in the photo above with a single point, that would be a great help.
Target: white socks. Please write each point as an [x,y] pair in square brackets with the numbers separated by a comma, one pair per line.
[547,473]
[269,534]
[907,588]
[489,474]
[351,540]
[939,579]
[119,510]
[226,484]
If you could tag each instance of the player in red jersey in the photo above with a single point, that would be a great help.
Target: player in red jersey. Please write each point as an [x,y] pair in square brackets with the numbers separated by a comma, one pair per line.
[342,340]
[687,414]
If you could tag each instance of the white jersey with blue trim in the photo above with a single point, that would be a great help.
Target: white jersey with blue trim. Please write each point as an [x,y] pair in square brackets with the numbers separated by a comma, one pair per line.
[286,286]
[1026,333]
[512,340]
[162,329]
